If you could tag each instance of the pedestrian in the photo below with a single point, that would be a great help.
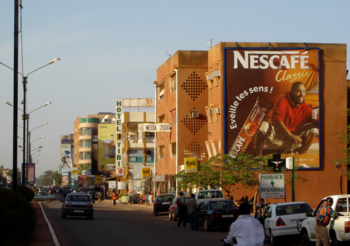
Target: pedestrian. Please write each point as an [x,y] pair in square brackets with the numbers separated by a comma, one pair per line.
[246,230]
[114,198]
[182,207]
[323,217]
[99,197]
[192,210]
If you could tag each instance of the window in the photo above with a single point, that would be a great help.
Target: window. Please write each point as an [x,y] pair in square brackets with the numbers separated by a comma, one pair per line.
[85,143]
[172,147]
[208,111]
[160,90]
[85,131]
[173,83]
[341,205]
[160,119]
[85,156]
[161,151]
[135,156]
[173,116]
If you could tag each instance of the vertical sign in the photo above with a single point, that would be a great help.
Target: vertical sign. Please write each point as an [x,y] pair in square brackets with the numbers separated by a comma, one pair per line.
[271,186]
[106,146]
[118,130]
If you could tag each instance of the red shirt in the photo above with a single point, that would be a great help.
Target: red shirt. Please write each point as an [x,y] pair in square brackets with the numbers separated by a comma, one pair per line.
[290,114]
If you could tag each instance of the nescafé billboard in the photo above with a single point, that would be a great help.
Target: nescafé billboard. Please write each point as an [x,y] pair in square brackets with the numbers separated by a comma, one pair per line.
[272,103]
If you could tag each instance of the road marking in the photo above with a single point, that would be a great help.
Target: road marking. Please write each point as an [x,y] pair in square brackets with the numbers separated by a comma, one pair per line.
[50,227]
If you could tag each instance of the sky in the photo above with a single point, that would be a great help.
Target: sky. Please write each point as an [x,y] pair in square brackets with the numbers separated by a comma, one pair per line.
[111,49]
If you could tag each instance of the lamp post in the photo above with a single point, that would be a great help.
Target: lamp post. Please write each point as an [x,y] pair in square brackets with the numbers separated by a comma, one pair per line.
[24,116]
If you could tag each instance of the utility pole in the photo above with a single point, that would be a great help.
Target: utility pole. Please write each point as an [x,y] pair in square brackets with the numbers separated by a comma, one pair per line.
[15,98]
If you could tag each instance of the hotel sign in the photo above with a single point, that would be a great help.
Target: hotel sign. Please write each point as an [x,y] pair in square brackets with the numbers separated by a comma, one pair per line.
[118,130]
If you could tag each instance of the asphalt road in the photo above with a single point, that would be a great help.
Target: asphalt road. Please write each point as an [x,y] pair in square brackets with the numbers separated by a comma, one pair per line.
[129,225]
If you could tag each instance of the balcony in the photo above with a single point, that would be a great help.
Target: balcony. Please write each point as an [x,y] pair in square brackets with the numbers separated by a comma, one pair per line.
[137,142]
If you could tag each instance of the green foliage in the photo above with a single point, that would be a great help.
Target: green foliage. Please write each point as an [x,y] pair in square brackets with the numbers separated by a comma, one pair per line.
[17,218]
[47,178]
[10,173]
[26,192]
[229,173]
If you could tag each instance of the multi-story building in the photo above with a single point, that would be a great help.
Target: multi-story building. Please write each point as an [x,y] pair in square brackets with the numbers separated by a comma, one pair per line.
[85,134]
[181,98]
[225,99]
[137,147]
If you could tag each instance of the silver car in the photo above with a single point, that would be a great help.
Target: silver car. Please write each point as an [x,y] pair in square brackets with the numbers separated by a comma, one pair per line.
[77,204]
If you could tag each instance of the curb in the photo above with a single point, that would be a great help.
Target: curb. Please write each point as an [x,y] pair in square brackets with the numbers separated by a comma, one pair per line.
[55,240]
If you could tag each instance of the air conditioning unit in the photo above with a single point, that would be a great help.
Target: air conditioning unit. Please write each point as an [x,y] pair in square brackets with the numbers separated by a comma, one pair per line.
[209,111]
[194,114]
[217,110]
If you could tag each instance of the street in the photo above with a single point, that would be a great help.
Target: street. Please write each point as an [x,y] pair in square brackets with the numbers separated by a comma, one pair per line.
[129,225]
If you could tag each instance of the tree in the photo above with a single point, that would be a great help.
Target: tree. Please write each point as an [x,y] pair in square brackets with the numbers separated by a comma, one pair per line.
[48,177]
[229,173]
[10,173]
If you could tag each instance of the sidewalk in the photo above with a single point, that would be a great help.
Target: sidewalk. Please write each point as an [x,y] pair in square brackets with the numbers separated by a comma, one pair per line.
[41,234]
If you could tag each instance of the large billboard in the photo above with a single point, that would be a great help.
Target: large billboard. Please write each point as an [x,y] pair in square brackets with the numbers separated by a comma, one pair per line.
[106,146]
[272,103]
[66,156]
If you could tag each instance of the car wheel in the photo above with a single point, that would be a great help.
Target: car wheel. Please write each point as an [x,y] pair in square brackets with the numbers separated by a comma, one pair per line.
[63,215]
[335,241]
[206,225]
[273,240]
[48,200]
[305,241]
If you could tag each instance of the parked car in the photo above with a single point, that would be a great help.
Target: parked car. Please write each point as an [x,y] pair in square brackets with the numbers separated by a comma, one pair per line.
[77,204]
[281,219]
[217,213]
[208,195]
[44,196]
[162,203]
[173,210]
[339,229]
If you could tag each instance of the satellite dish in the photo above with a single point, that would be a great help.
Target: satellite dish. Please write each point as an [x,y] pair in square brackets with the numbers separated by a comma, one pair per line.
[148,152]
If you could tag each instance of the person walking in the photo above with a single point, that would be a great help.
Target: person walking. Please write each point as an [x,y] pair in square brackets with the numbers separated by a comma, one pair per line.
[192,210]
[99,197]
[323,217]
[114,198]
[246,230]
[181,204]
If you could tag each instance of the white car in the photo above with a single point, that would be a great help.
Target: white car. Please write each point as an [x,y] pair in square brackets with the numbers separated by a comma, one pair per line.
[281,219]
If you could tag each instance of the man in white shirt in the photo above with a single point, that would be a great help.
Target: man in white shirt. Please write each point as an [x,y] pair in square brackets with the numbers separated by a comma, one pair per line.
[246,230]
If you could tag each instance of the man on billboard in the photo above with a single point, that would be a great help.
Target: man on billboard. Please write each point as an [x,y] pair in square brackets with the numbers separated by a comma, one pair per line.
[293,127]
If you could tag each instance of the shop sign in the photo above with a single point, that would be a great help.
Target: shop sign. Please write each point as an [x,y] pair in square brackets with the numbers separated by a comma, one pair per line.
[98,180]
[271,186]
[88,181]
[158,178]
[118,116]
[112,184]
[90,120]
[137,175]
[160,127]
[146,173]
[191,165]
[120,171]
[118,154]
[121,185]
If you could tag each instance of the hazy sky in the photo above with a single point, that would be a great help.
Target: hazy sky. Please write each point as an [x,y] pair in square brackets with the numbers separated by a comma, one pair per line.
[111,49]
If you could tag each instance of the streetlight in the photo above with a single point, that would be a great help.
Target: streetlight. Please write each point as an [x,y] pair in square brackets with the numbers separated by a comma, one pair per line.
[24,116]
[30,132]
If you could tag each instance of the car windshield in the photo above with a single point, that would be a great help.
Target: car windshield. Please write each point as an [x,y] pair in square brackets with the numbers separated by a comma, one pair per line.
[210,194]
[341,205]
[222,204]
[79,198]
[168,198]
[293,209]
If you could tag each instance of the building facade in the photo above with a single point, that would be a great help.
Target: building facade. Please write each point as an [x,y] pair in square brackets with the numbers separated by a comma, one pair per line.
[218,101]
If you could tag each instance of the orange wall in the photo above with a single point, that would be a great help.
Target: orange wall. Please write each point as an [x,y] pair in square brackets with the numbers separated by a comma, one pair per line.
[330,179]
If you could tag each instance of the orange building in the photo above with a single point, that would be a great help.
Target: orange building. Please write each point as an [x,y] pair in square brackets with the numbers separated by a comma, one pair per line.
[213,100]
